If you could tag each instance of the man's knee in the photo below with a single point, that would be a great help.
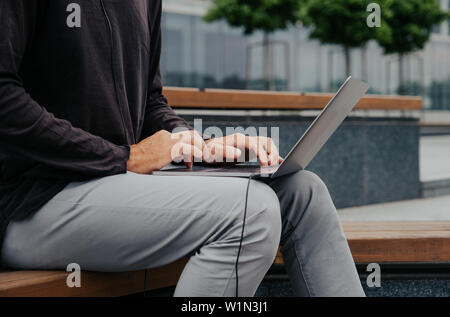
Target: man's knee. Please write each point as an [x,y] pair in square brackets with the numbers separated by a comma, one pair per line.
[305,197]
[306,182]
[301,188]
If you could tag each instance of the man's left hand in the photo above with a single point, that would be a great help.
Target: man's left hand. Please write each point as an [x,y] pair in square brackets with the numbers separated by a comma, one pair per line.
[263,147]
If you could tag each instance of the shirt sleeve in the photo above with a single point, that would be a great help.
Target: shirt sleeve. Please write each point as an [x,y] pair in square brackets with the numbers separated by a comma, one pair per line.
[158,115]
[27,130]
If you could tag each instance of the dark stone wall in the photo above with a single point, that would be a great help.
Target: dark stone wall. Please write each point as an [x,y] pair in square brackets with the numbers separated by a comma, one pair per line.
[366,161]
[430,287]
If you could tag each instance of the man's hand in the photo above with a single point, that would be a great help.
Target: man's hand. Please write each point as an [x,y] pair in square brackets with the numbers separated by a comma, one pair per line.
[162,148]
[263,147]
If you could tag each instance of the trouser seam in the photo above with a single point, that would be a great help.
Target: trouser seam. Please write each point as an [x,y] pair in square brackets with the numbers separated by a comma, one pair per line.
[300,263]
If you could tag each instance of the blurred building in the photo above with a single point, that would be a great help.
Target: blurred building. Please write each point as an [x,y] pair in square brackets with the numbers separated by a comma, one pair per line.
[204,55]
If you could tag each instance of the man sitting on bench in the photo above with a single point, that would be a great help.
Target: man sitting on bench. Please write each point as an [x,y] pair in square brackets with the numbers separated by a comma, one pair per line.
[83,123]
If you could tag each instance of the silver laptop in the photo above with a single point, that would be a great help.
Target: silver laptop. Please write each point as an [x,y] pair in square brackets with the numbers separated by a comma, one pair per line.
[306,148]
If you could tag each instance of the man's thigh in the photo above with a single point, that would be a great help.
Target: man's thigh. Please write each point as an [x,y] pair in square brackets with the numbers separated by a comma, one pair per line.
[126,222]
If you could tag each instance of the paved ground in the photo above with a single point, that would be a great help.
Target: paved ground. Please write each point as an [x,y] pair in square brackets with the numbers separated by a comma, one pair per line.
[435,158]
[428,209]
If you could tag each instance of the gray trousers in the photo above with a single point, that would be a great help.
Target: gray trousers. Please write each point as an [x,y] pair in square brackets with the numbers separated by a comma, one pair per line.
[131,222]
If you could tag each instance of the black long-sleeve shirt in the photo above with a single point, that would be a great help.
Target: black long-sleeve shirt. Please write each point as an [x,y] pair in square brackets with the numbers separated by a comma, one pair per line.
[72,99]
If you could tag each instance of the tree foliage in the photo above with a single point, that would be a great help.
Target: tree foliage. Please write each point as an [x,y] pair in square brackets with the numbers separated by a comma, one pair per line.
[406,25]
[411,22]
[254,15]
[343,22]
[267,16]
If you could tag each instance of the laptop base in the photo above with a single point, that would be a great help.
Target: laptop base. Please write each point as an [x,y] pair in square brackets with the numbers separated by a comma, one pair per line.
[239,170]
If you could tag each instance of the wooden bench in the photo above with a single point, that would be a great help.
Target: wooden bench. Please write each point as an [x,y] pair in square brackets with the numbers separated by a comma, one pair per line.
[380,242]
[369,242]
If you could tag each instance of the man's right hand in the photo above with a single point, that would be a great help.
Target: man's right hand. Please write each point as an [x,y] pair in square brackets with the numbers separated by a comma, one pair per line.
[162,148]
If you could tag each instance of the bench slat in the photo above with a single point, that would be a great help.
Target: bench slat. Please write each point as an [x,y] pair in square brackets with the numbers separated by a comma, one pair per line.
[399,242]
[408,226]
[419,250]
[263,100]
[379,242]
[53,283]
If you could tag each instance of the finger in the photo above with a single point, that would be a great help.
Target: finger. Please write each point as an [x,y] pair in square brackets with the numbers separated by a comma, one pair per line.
[231,153]
[262,156]
[183,151]
[274,159]
[191,154]
[274,156]
[272,151]
[208,153]
[191,137]
[214,153]
[269,145]
[257,146]
[239,141]
[200,144]
[221,152]
[198,140]
[176,152]
[266,143]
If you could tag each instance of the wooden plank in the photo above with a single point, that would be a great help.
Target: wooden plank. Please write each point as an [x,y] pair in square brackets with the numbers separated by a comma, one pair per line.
[393,249]
[436,250]
[53,283]
[165,276]
[398,242]
[247,99]
[379,242]
[390,235]
[279,259]
[411,226]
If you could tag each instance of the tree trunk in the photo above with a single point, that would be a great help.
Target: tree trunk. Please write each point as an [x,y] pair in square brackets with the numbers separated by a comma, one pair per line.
[330,87]
[347,61]
[271,67]
[266,66]
[248,67]
[364,72]
[400,74]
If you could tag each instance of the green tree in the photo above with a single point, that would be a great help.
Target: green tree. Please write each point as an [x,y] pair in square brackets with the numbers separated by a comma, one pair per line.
[411,22]
[267,16]
[344,22]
